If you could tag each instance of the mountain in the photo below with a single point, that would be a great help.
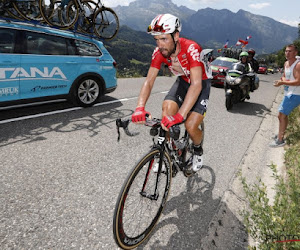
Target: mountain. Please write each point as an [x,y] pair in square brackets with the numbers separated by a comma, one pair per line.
[139,14]
[267,34]
[210,27]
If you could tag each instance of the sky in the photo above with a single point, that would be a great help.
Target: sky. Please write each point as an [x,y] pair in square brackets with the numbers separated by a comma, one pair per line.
[285,11]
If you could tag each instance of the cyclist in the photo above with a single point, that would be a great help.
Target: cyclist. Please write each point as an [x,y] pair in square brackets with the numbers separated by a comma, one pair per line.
[187,99]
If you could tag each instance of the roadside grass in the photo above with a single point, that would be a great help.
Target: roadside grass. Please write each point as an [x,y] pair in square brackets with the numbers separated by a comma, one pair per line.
[277,225]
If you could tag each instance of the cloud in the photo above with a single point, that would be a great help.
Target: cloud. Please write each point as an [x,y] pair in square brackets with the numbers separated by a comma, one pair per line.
[289,22]
[259,6]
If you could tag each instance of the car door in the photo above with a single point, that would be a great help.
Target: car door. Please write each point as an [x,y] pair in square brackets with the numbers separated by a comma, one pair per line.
[9,65]
[48,69]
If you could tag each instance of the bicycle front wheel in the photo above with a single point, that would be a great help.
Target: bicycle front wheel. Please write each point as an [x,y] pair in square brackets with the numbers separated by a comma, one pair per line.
[141,200]
[106,23]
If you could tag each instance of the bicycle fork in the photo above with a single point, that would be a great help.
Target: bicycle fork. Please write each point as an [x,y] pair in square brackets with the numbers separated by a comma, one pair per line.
[161,147]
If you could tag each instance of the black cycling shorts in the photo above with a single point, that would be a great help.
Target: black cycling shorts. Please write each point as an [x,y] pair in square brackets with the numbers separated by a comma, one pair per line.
[178,92]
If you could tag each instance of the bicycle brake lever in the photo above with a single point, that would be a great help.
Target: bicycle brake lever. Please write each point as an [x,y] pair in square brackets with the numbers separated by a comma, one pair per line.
[124,124]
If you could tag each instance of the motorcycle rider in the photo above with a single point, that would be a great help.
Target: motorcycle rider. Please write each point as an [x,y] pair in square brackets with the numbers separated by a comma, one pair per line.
[187,99]
[253,62]
[244,59]
[246,68]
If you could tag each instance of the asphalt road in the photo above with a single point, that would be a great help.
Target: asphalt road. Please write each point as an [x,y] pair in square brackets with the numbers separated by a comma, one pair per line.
[62,168]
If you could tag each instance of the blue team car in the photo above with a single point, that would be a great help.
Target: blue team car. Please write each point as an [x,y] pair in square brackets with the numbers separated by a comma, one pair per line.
[41,62]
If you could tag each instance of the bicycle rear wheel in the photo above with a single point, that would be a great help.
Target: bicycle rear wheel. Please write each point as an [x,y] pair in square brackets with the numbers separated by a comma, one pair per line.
[59,15]
[106,23]
[138,209]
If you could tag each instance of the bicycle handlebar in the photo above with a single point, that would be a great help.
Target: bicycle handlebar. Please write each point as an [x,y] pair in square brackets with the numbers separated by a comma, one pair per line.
[154,122]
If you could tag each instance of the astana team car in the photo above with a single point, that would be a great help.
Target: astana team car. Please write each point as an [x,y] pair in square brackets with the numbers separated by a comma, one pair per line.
[41,62]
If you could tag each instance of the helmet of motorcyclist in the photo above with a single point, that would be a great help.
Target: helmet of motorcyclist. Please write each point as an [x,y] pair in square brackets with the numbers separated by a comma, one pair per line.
[244,53]
[164,24]
[251,51]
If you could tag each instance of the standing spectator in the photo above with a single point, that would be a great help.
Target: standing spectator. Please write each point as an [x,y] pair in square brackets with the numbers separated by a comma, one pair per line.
[291,100]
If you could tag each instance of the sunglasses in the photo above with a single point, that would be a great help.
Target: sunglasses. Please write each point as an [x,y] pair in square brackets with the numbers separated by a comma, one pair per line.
[156,28]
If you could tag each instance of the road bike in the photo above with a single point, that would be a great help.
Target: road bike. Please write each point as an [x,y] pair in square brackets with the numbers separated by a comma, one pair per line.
[86,15]
[145,191]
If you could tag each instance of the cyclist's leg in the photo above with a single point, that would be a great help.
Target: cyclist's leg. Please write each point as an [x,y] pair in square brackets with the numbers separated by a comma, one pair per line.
[173,99]
[197,114]
[193,122]
[192,125]
[169,107]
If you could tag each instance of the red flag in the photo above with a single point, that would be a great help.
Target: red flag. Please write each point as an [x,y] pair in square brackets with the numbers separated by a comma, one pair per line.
[238,43]
[243,42]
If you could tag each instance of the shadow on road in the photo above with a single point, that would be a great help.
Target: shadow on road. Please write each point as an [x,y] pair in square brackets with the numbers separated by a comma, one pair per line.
[195,209]
[250,108]
[87,119]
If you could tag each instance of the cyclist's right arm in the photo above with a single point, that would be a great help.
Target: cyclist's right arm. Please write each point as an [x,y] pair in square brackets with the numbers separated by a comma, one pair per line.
[139,115]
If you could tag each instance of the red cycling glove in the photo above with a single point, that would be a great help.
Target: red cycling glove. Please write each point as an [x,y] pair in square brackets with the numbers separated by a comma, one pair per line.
[169,121]
[139,115]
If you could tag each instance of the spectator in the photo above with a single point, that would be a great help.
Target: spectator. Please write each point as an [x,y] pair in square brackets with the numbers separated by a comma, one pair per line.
[291,100]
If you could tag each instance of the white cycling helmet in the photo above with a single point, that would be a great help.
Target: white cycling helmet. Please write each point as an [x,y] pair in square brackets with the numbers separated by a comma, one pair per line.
[164,24]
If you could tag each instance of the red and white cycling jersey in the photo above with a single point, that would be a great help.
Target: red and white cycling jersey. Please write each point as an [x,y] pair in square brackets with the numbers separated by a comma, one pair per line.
[191,55]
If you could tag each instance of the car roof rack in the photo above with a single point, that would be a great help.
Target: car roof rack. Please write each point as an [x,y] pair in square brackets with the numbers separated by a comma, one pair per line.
[33,23]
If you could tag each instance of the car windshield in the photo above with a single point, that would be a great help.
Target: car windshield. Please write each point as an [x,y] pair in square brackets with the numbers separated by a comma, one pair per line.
[222,63]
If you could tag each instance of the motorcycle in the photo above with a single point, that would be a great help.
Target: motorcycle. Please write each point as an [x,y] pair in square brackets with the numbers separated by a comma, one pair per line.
[238,85]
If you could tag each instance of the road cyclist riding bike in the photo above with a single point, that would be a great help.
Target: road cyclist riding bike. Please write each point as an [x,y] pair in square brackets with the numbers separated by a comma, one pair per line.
[145,191]
[187,100]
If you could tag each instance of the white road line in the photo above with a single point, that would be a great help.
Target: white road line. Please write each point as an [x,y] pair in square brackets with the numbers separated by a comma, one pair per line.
[60,111]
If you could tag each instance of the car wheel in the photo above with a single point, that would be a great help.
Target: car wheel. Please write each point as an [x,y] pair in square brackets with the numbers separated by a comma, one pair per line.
[86,92]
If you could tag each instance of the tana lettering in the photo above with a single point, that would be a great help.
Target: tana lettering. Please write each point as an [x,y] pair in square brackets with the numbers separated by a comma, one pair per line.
[12,73]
